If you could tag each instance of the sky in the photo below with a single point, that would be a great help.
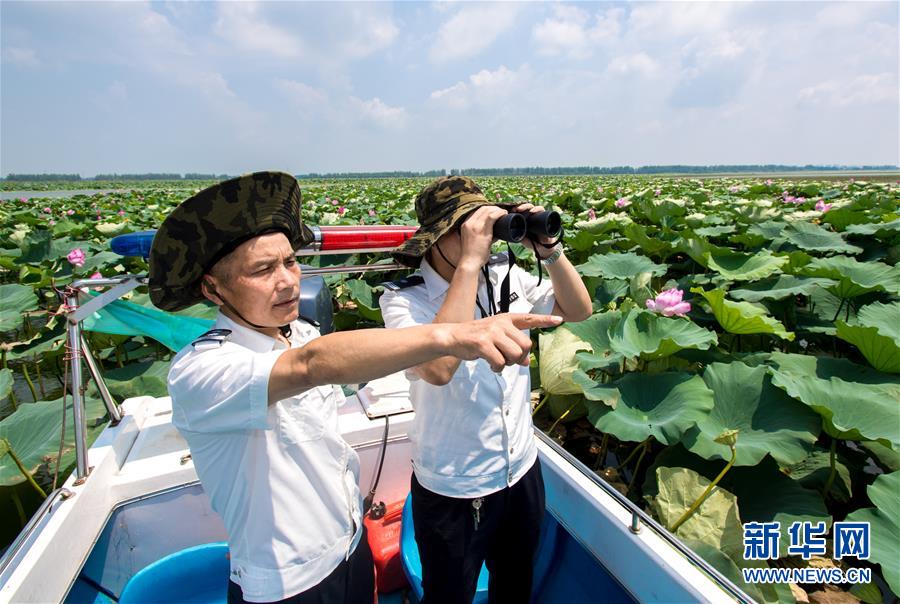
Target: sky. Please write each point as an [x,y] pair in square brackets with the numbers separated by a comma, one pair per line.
[234,87]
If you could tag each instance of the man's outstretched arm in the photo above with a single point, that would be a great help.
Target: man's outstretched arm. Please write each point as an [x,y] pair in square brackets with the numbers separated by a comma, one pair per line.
[351,357]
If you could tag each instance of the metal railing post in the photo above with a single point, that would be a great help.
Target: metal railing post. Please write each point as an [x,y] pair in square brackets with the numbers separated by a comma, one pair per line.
[74,335]
[115,412]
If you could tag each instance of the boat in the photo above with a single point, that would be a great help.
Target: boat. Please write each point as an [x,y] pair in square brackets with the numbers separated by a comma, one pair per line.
[133,521]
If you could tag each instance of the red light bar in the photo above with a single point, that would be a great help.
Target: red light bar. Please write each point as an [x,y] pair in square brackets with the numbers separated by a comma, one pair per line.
[356,238]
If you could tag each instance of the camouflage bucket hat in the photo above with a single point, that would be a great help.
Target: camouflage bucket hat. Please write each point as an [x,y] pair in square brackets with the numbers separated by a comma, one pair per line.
[439,207]
[211,224]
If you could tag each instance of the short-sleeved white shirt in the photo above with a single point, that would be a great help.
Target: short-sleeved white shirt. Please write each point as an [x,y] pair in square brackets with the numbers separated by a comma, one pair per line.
[473,436]
[281,477]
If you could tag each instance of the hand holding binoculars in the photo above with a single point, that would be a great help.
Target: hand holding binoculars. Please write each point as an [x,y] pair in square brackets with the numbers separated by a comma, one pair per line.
[515,225]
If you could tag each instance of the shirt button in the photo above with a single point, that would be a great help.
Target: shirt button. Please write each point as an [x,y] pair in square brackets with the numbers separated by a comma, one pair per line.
[510,449]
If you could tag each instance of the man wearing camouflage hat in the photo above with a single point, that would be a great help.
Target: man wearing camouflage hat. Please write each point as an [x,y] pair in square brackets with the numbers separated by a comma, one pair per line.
[254,397]
[477,491]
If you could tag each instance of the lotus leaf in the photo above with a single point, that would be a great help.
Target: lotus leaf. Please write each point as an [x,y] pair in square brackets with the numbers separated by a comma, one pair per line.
[745,267]
[767,420]
[33,433]
[764,493]
[778,288]
[558,348]
[886,456]
[878,229]
[619,266]
[884,317]
[595,332]
[808,236]
[855,403]
[661,405]
[855,278]
[884,520]
[36,247]
[362,293]
[6,382]
[716,522]
[644,334]
[741,317]
[813,471]
[650,245]
[768,230]
[881,351]
[15,299]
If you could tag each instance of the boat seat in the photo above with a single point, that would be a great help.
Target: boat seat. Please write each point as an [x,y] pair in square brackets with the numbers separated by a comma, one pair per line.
[197,575]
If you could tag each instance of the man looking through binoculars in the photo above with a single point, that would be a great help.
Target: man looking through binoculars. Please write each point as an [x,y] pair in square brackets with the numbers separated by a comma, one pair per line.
[477,490]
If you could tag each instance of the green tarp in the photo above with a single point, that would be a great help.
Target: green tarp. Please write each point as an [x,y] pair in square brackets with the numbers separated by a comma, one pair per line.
[128,319]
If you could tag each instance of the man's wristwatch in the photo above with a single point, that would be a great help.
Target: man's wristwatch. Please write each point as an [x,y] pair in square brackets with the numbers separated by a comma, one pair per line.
[554,255]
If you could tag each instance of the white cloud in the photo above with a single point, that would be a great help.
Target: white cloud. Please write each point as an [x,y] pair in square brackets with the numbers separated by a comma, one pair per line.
[301,94]
[366,32]
[862,90]
[639,63]
[456,96]
[240,24]
[484,88]
[25,57]
[570,31]
[378,112]
[471,30]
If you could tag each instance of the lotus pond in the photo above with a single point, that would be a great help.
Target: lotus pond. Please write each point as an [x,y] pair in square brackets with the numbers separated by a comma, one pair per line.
[742,363]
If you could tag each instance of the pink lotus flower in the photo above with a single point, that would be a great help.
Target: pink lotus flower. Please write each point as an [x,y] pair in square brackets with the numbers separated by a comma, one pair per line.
[334,202]
[622,202]
[76,257]
[373,213]
[823,207]
[600,189]
[23,199]
[668,303]
[47,210]
[52,222]
[341,210]
[121,212]
[734,189]
[97,275]
[69,212]
[768,182]
[592,214]
[498,195]
[657,192]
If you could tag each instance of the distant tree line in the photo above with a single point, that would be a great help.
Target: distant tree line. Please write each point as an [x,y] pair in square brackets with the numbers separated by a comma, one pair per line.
[114,177]
[394,174]
[672,169]
[527,171]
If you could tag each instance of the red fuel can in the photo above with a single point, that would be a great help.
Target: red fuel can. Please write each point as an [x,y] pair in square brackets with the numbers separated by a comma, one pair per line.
[384,540]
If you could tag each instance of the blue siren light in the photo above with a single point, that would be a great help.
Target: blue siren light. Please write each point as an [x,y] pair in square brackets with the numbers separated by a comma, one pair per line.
[133,244]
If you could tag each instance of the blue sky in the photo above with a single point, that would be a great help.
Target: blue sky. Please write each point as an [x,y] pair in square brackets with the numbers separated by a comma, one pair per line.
[232,87]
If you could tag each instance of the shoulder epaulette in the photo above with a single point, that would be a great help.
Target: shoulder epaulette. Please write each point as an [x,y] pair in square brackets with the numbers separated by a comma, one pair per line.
[214,338]
[501,258]
[405,282]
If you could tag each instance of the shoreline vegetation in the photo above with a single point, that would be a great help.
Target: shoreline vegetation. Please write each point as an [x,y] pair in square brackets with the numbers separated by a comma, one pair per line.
[57,181]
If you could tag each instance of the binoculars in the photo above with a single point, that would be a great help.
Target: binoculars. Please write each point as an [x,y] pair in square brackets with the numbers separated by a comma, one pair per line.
[514,226]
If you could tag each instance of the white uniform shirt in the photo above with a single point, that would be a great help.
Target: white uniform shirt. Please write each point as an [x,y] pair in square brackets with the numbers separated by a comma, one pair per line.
[281,477]
[474,436]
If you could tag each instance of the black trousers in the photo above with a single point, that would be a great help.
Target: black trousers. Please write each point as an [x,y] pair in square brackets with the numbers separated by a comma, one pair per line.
[352,582]
[506,538]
